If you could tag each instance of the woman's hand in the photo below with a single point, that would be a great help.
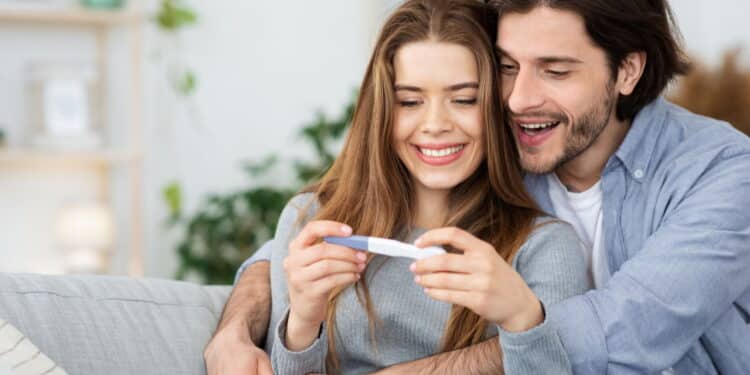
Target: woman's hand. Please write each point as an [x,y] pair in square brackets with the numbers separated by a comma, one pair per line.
[478,279]
[313,270]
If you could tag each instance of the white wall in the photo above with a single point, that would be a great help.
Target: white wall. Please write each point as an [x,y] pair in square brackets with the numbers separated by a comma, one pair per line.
[263,67]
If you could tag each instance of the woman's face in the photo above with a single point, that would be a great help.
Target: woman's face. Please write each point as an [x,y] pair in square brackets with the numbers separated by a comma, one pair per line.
[438,132]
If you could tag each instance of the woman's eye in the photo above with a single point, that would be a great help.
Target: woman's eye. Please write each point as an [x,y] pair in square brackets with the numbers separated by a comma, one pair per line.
[408,103]
[471,101]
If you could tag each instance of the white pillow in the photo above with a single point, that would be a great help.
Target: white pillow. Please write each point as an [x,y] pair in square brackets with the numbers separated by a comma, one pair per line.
[19,356]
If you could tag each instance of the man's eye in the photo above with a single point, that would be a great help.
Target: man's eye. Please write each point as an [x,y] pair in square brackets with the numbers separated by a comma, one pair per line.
[558,73]
[507,69]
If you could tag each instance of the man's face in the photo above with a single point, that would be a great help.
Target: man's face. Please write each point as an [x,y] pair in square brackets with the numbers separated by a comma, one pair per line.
[557,86]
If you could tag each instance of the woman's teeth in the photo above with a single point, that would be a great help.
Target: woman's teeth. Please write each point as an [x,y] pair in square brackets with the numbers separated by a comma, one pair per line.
[440,152]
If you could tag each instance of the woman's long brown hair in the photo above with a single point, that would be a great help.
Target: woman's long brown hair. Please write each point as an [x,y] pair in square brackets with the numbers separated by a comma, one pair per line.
[370,189]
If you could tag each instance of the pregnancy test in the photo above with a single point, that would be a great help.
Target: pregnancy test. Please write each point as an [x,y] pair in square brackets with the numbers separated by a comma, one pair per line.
[385,246]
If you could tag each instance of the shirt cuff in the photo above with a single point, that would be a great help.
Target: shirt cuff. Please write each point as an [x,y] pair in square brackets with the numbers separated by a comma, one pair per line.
[310,360]
[580,331]
[535,351]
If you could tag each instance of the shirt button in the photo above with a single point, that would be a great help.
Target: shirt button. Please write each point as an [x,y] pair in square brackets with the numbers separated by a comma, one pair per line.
[638,173]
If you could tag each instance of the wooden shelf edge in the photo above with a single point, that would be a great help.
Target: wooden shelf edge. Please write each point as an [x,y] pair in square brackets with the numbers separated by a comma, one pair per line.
[72,16]
[11,155]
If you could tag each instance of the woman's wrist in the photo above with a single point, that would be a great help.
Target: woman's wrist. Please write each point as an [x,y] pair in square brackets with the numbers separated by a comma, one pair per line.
[300,334]
[531,316]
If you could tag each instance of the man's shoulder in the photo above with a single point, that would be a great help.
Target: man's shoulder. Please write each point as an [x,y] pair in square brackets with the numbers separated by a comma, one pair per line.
[692,140]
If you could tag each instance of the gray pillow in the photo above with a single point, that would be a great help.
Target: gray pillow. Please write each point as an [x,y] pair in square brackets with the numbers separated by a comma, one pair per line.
[114,325]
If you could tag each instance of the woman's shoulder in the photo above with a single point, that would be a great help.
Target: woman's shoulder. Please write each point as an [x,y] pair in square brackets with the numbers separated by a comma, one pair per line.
[551,238]
[298,211]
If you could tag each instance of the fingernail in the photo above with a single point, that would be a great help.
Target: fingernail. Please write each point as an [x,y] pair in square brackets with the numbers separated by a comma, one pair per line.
[416,279]
[418,241]
[361,256]
[346,229]
[361,266]
[413,267]
[359,276]
[426,290]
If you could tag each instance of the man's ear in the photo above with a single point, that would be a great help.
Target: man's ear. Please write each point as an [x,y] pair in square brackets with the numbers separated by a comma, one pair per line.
[630,71]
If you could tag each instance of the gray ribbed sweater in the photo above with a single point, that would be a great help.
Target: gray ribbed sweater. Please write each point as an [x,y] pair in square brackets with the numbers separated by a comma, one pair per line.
[551,262]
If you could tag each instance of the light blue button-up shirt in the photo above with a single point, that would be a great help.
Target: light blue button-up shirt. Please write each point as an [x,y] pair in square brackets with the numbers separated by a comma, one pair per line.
[676,205]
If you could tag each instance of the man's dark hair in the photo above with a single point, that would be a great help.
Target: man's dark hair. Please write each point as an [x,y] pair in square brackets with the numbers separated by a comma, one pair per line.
[621,27]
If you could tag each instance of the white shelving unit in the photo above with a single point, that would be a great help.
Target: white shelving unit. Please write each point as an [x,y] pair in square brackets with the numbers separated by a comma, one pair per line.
[104,160]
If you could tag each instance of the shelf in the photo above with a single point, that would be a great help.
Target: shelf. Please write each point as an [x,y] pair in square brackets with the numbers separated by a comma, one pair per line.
[104,157]
[72,16]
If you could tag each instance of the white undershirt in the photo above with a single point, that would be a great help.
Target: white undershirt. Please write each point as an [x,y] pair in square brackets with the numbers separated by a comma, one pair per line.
[584,211]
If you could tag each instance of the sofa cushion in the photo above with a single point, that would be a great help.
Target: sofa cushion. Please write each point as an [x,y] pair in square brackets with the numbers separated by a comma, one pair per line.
[114,325]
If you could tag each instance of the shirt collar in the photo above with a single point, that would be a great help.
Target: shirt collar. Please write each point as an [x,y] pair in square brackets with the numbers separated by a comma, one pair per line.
[639,144]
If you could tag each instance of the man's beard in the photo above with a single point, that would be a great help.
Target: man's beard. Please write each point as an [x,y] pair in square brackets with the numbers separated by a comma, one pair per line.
[584,133]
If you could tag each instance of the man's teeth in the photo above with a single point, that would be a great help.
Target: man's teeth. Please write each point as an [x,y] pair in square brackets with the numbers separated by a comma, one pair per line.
[543,125]
[441,152]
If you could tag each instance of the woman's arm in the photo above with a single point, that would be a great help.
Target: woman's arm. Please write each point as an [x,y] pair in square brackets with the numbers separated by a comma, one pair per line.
[552,264]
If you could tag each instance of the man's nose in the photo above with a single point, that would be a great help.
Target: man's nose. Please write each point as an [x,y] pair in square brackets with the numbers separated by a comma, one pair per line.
[525,93]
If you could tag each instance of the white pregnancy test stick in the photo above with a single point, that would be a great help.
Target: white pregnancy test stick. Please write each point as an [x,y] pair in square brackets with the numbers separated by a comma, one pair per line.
[385,246]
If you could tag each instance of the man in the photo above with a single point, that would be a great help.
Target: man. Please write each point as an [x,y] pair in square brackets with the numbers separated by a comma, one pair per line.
[660,196]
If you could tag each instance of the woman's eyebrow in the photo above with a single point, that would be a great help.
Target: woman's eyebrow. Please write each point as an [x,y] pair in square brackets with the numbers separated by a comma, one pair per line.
[456,87]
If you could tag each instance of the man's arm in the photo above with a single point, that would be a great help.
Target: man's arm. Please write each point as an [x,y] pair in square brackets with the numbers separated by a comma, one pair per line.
[482,358]
[236,347]
[250,303]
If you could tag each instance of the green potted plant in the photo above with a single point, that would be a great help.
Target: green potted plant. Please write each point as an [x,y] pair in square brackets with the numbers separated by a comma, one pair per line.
[227,228]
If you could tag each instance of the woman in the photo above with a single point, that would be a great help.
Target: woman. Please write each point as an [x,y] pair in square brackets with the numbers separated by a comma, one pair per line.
[426,151]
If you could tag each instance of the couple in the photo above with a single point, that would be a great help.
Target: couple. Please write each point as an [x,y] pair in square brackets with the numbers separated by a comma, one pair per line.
[658,196]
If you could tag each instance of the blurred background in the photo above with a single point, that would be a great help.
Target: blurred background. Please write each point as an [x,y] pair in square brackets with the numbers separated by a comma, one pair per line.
[161,138]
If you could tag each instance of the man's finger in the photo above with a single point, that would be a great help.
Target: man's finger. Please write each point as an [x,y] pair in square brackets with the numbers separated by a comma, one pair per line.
[456,237]
[317,229]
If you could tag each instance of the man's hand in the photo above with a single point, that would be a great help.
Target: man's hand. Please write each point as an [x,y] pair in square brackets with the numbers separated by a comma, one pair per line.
[234,348]
[231,352]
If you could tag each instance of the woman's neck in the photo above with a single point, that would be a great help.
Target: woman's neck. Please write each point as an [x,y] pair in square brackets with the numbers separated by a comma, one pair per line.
[432,207]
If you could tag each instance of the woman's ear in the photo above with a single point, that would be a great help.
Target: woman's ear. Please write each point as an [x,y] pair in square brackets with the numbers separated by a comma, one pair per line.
[630,72]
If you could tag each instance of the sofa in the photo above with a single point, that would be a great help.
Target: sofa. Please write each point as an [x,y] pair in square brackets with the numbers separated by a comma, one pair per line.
[114,325]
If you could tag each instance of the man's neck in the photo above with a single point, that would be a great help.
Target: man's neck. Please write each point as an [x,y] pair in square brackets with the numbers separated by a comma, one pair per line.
[585,170]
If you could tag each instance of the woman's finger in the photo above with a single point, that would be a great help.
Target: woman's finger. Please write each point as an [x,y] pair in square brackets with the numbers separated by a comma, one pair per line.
[455,263]
[315,230]
[321,251]
[455,237]
[455,297]
[327,284]
[328,267]
[449,281]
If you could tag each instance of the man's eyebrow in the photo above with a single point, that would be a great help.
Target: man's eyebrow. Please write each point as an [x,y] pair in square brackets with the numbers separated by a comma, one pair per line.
[544,59]
[559,59]
[456,87]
